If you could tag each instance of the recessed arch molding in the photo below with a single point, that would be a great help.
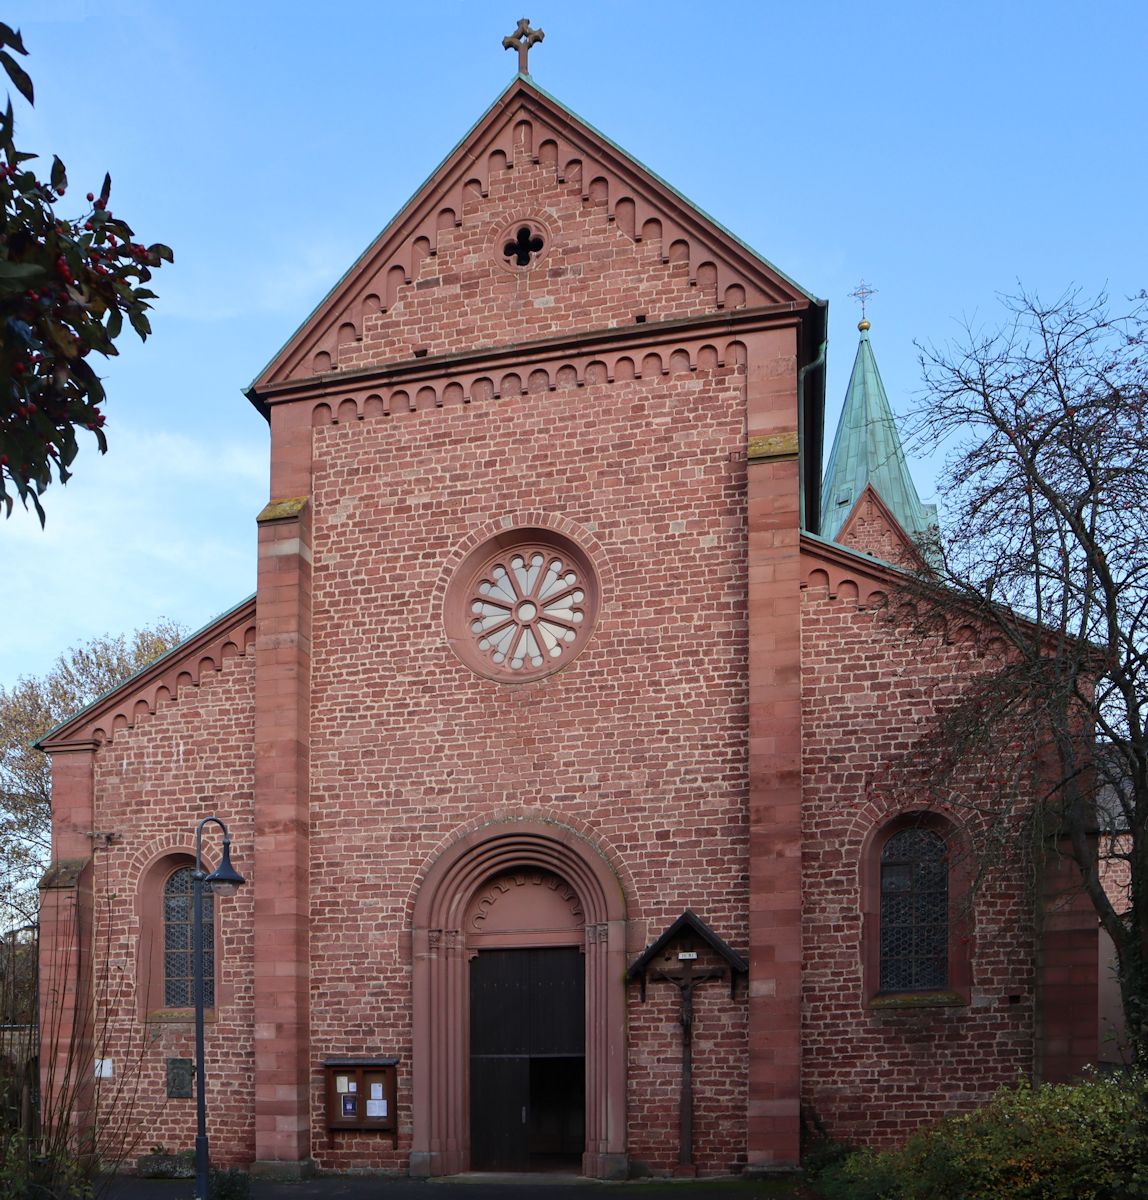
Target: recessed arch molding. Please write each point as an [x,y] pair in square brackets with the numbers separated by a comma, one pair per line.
[440,987]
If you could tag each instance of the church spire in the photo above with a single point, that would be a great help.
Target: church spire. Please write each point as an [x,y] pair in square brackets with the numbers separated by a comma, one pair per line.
[867,451]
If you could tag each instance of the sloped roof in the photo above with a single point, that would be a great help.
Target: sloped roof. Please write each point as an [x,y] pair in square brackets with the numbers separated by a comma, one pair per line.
[867,451]
[232,632]
[764,283]
[688,923]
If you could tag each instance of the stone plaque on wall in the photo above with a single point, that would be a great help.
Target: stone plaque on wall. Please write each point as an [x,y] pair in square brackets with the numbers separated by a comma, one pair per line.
[180,1074]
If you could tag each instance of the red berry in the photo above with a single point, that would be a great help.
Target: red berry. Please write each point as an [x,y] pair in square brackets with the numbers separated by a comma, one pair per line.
[91,196]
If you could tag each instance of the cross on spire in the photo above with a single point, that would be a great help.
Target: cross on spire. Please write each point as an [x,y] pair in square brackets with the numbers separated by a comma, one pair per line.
[521,40]
[862,292]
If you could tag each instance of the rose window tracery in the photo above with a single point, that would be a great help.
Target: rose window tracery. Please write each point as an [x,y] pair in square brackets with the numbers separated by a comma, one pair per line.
[522,605]
[527,609]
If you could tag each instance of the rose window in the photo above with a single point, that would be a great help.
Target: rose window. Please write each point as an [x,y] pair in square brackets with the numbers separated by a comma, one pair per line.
[527,609]
[522,605]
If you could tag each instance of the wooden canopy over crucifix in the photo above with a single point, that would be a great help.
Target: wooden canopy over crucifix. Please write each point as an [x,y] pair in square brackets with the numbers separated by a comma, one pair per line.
[687,935]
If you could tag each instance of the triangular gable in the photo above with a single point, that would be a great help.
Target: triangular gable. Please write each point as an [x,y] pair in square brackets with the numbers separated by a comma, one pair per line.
[871,528]
[229,635]
[524,125]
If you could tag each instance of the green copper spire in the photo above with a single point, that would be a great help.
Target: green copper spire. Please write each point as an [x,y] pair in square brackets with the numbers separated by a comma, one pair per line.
[867,450]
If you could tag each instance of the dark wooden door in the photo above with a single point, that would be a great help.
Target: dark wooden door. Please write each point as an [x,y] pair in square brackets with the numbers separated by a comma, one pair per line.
[527,1058]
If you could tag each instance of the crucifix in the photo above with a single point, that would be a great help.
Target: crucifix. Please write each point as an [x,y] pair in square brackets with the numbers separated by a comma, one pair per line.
[688,931]
[521,40]
[686,979]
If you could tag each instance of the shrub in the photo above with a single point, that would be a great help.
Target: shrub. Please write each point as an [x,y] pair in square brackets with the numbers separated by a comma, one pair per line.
[230,1184]
[26,1175]
[1085,1141]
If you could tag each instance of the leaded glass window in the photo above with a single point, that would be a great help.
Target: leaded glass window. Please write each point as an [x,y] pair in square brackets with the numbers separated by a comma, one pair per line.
[178,962]
[914,912]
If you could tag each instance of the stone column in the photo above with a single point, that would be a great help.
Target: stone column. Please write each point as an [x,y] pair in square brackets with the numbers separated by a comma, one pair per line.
[1067,977]
[774,750]
[282,897]
[67,1048]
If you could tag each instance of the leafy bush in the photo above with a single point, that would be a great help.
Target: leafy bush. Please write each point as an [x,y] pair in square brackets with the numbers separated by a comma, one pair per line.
[230,1184]
[25,1175]
[1086,1141]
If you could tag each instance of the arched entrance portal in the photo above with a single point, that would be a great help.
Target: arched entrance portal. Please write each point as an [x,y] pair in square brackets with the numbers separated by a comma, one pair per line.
[524,935]
[518,899]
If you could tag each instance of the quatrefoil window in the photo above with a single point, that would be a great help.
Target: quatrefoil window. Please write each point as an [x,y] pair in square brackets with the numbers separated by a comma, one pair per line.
[523,247]
[522,606]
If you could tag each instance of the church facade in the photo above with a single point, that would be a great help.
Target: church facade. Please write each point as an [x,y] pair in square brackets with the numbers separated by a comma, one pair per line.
[551,743]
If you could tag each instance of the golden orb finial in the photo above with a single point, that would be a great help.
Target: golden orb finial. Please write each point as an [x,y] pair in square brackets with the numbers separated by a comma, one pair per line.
[863,325]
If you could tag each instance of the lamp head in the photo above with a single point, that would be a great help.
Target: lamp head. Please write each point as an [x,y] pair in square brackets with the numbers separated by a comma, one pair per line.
[225,880]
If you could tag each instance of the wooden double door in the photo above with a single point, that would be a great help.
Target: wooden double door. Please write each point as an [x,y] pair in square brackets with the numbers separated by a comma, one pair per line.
[527,1059]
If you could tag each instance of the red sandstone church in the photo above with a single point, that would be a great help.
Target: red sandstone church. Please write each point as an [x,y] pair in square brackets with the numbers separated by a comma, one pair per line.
[550,744]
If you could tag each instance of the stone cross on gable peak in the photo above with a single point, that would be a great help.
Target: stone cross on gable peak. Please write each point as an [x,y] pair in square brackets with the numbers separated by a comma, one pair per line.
[521,40]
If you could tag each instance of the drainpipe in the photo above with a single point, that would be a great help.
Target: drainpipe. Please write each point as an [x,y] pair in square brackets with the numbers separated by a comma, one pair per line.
[816,363]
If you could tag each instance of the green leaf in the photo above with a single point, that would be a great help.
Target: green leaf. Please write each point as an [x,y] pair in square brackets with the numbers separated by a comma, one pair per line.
[20,273]
[20,78]
[161,251]
[11,37]
[106,190]
[115,323]
[140,324]
[59,174]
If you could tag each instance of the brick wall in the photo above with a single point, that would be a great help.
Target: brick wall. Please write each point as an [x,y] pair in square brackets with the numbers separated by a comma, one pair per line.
[153,783]
[640,741]
[873,1074]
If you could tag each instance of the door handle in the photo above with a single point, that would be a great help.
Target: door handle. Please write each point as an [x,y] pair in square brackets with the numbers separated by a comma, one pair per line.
[524,1114]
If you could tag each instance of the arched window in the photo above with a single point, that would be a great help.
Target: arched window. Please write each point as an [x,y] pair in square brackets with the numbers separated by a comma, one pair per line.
[178,960]
[914,912]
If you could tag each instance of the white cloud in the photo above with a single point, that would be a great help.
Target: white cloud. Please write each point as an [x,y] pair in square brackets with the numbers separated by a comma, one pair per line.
[165,529]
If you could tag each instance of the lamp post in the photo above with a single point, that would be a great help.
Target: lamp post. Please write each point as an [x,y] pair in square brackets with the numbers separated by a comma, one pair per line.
[224,880]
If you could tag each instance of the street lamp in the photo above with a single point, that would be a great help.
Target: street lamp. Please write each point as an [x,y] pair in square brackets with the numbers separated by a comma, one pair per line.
[224,880]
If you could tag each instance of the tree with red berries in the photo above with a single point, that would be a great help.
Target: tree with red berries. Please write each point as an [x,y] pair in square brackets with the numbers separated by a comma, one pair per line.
[66,286]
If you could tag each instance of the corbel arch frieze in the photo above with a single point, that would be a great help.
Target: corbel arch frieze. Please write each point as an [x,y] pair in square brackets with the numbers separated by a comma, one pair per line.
[529,135]
[162,684]
[840,583]
[826,577]
[374,399]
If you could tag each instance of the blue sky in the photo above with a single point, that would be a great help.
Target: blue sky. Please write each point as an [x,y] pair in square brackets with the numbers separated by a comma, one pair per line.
[941,152]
